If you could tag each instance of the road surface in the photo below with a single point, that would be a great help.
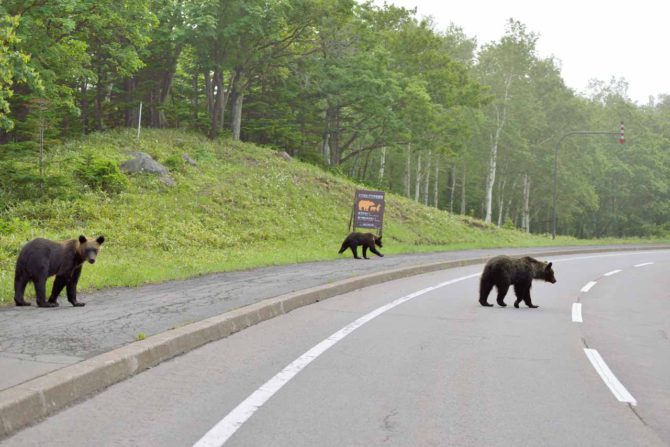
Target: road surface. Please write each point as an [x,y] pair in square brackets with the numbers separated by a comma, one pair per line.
[415,361]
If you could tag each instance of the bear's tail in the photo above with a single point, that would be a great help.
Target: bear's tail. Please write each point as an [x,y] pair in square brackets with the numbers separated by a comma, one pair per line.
[343,247]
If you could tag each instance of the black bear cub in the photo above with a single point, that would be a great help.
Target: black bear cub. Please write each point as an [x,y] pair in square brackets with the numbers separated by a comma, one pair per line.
[502,271]
[41,258]
[367,240]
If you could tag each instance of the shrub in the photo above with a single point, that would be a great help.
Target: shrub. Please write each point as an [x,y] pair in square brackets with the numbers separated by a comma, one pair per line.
[100,173]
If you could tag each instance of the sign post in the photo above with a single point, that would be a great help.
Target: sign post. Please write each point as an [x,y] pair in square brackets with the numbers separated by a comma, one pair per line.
[368,211]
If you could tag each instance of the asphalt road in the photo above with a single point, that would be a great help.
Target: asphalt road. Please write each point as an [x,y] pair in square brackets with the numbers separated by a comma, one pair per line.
[414,362]
[36,341]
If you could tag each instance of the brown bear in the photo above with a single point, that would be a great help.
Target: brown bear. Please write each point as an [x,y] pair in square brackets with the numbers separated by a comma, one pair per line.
[502,271]
[367,240]
[41,258]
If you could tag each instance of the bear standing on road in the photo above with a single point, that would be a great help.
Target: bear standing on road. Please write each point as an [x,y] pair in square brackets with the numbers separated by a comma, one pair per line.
[41,258]
[367,240]
[502,271]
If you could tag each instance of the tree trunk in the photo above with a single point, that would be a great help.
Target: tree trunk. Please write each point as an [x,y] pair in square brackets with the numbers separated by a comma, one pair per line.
[382,165]
[452,188]
[525,217]
[237,97]
[236,123]
[426,180]
[408,170]
[435,188]
[219,104]
[326,148]
[501,202]
[99,100]
[84,106]
[194,101]
[364,174]
[417,181]
[209,93]
[493,156]
[463,189]
[491,178]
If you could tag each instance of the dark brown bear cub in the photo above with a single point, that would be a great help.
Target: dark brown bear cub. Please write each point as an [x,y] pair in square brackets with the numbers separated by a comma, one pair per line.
[41,258]
[502,271]
[367,240]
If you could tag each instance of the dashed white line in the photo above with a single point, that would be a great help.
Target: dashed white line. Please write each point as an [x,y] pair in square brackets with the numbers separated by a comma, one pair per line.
[577,312]
[613,272]
[588,286]
[222,431]
[616,387]
[643,264]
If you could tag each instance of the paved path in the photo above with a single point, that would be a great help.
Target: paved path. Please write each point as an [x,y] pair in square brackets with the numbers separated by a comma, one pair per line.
[35,341]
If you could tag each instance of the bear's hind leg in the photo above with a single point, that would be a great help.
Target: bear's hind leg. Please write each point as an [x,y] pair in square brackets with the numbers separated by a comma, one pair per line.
[354,249]
[41,293]
[485,287]
[502,291]
[365,252]
[20,284]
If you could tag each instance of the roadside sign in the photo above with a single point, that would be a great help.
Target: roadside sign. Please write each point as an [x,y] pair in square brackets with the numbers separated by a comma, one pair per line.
[368,209]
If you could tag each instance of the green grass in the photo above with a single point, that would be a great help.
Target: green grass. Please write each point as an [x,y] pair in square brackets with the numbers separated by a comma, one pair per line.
[241,207]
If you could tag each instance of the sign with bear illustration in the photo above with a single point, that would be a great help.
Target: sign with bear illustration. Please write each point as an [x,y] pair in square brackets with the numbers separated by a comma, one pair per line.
[369,209]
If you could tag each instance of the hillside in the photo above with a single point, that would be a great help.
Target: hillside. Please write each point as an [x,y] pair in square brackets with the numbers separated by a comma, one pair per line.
[240,207]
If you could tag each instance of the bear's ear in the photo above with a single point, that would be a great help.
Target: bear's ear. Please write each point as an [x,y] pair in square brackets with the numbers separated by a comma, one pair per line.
[100,239]
[82,239]
[549,265]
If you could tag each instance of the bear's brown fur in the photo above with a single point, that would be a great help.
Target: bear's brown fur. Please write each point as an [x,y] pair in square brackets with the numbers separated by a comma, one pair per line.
[367,240]
[41,258]
[502,271]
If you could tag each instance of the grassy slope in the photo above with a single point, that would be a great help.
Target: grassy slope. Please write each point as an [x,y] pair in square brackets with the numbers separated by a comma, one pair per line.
[242,206]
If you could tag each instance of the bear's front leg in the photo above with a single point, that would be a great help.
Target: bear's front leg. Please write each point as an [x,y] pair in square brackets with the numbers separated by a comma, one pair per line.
[374,250]
[72,289]
[41,293]
[59,284]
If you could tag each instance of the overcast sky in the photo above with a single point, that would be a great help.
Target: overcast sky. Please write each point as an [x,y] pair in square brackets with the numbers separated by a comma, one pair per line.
[591,38]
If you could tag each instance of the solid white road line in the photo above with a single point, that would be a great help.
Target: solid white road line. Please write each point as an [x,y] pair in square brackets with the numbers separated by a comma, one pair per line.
[222,431]
[619,391]
[577,312]
[643,264]
[613,272]
[588,286]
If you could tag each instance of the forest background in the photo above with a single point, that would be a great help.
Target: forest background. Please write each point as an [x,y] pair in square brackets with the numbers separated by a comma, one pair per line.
[370,92]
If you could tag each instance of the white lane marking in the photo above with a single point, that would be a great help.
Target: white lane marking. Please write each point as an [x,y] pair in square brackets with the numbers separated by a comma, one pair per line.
[643,264]
[222,431]
[579,258]
[619,391]
[588,286]
[613,272]
[577,312]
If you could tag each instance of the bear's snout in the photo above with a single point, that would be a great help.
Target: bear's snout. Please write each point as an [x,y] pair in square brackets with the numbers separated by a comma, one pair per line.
[91,260]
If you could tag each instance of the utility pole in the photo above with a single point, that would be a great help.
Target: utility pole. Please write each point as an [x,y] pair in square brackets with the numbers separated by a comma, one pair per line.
[558,145]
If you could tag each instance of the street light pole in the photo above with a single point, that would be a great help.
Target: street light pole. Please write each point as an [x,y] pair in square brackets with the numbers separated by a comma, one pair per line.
[558,145]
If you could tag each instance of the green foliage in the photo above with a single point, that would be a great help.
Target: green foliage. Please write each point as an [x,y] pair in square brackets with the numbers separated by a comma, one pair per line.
[100,173]
[332,83]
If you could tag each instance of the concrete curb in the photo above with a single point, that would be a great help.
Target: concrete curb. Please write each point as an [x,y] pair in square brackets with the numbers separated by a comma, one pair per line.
[31,401]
